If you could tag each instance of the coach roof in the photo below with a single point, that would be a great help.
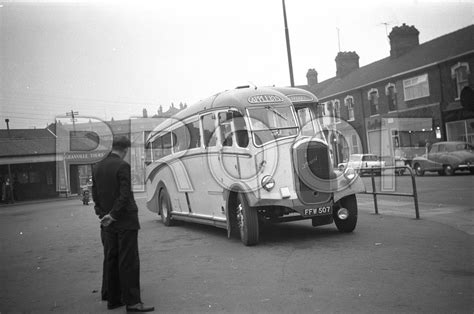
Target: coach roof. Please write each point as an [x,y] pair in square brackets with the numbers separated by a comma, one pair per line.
[238,98]
[297,95]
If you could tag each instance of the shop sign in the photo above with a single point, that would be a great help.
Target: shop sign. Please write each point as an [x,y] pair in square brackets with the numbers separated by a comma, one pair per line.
[85,156]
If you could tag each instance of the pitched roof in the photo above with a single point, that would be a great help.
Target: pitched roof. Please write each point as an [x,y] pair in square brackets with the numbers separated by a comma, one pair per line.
[21,142]
[431,52]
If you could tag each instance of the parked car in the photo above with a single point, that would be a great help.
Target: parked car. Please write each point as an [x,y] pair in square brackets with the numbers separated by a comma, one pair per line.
[395,161]
[446,158]
[362,163]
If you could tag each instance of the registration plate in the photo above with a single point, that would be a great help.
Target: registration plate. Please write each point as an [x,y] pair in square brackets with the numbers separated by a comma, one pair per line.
[319,211]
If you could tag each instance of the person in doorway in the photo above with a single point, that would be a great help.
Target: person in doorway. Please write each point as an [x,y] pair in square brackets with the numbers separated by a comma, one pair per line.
[8,191]
[115,206]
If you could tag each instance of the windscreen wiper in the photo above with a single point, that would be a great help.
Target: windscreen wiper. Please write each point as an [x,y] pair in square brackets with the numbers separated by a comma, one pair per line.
[277,113]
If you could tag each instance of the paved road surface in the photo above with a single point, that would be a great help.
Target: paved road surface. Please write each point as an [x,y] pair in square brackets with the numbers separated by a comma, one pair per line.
[51,261]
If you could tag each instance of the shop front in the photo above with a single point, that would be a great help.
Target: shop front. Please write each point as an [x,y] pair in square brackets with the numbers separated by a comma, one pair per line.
[31,177]
[74,170]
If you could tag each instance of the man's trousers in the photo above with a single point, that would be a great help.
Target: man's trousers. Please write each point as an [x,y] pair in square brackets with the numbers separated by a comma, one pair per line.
[122,266]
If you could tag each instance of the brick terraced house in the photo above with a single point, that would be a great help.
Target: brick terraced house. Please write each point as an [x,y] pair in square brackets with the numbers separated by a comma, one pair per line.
[399,105]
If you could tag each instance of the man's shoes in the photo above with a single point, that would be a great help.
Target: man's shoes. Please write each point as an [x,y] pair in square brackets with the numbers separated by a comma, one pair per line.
[139,307]
[115,305]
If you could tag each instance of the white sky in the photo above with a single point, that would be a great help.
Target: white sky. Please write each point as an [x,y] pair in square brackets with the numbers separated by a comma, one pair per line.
[113,59]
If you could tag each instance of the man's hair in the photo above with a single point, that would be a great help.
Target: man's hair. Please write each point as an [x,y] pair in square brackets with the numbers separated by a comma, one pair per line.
[121,143]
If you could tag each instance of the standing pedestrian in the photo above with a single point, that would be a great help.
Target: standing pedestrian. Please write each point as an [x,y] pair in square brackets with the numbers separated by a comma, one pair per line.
[8,191]
[118,213]
[2,191]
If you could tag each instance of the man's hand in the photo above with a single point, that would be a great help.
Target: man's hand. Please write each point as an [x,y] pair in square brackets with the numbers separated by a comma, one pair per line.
[107,220]
[97,210]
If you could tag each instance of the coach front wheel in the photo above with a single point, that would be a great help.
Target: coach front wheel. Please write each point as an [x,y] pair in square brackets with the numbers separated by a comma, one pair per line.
[345,217]
[247,220]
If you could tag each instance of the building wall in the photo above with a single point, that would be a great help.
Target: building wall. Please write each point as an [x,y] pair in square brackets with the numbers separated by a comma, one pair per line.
[458,120]
[447,82]
[427,107]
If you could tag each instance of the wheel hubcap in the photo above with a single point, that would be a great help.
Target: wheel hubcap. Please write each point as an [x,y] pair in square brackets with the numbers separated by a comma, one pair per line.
[164,211]
[240,218]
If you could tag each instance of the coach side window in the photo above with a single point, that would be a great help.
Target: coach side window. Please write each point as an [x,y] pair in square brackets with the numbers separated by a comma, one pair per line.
[241,131]
[232,127]
[162,146]
[225,128]
[209,128]
[180,139]
[194,134]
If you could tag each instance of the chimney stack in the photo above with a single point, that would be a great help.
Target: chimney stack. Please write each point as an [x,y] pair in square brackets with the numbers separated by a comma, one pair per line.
[346,62]
[402,39]
[312,77]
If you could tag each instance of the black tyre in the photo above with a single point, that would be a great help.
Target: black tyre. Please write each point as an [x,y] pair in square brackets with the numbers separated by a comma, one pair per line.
[418,170]
[247,221]
[165,208]
[347,225]
[448,170]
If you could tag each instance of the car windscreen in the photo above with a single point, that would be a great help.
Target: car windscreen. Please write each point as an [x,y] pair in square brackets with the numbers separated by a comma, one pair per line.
[370,158]
[272,122]
[464,147]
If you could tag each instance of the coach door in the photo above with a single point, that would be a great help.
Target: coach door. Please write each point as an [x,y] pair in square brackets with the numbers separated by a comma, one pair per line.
[206,198]
[237,162]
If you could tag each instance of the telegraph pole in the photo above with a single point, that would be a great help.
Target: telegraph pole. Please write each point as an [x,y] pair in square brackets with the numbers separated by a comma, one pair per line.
[73,115]
[338,40]
[288,49]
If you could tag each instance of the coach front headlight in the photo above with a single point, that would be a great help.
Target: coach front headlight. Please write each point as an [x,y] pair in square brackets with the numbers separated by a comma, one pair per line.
[268,183]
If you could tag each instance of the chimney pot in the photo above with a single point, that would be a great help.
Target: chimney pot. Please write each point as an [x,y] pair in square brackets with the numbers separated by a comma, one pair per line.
[402,39]
[312,77]
[346,62]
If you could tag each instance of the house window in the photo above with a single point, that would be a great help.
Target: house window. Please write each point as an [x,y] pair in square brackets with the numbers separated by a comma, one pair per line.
[320,110]
[374,101]
[355,144]
[323,109]
[349,102]
[336,106]
[391,93]
[460,73]
[416,87]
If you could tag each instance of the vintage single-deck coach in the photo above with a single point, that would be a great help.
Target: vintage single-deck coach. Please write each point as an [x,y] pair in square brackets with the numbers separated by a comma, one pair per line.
[245,157]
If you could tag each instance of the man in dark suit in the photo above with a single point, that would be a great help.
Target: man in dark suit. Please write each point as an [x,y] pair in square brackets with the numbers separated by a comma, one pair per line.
[116,207]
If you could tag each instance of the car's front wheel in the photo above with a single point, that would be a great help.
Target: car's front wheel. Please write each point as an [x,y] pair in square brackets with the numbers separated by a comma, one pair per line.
[418,170]
[448,170]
